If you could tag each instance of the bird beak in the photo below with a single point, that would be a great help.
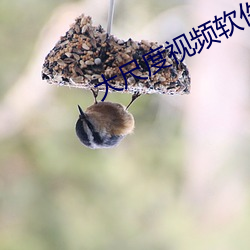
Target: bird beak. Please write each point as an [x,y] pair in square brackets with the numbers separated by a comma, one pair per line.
[82,115]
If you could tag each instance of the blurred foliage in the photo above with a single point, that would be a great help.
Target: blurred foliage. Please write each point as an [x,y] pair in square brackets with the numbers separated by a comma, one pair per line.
[20,23]
[56,194]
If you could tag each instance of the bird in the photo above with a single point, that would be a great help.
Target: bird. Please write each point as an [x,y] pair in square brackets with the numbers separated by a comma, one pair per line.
[104,124]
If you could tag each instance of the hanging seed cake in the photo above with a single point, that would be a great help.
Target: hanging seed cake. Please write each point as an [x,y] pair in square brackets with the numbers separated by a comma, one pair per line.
[86,52]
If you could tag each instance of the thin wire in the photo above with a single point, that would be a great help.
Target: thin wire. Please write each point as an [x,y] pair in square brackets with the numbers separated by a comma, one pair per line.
[110,15]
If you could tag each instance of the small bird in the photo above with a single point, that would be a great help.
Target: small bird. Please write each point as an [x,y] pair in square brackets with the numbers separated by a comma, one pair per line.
[104,124]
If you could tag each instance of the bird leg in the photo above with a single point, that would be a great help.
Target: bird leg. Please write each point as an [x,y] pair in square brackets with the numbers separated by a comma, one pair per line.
[134,97]
[95,94]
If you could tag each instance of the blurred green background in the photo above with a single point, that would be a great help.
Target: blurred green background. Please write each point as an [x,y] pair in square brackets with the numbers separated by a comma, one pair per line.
[180,182]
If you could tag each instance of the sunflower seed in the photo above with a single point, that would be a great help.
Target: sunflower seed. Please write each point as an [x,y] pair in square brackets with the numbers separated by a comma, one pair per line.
[88,62]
